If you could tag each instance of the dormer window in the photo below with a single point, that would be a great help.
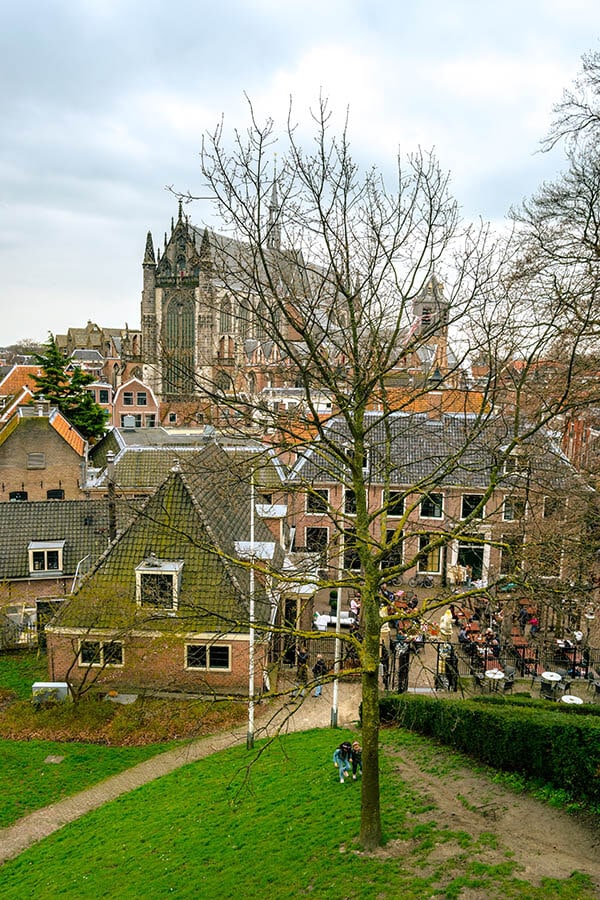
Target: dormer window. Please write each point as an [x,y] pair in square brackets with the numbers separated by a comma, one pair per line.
[45,557]
[158,583]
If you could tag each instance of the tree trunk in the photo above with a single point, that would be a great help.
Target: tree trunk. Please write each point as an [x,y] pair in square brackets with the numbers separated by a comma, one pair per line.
[370,823]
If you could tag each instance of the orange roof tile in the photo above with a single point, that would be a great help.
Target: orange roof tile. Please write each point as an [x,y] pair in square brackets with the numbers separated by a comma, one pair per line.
[18,378]
[66,431]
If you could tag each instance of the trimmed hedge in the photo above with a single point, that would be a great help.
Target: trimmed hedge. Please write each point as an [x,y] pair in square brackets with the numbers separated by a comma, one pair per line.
[559,748]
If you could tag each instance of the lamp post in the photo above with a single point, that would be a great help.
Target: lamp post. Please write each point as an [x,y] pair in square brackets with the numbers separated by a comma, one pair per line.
[337,661]
[250,734]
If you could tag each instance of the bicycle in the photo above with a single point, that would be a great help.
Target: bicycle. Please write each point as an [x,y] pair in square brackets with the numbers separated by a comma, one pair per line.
[425,581]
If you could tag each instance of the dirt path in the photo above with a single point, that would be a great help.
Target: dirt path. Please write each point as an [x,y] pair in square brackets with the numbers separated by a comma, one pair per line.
[311,713]
[544,841]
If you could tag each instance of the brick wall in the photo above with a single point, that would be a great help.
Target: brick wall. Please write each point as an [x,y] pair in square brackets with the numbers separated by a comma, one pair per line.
[62,465]
[156,663]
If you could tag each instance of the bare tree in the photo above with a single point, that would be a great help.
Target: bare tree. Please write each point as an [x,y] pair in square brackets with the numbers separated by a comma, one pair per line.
[330,282]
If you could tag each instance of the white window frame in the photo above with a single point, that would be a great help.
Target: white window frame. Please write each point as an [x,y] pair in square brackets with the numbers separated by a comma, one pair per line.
[427,497]
[312,495]
[45,547]
[480,515]
[101,664]
[508,509]
[141,398]
[207,648]
[128,398]
[323,551]
[390,503]
[421,565]
[168,568]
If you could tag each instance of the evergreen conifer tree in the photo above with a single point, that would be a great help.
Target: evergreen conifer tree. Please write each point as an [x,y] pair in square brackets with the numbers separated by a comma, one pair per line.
[68,391]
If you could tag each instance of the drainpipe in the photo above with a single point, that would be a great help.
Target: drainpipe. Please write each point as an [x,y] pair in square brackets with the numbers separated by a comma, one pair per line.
[112,510]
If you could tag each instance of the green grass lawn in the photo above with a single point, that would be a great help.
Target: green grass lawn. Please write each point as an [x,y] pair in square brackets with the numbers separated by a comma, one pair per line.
[20,669]
[281,827]
[28,782]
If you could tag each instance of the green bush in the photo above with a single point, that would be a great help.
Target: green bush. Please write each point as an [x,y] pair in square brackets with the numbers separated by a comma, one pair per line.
[538,740]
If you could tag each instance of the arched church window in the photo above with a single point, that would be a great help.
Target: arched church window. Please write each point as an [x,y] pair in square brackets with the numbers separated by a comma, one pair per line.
[225,316]
[178,346]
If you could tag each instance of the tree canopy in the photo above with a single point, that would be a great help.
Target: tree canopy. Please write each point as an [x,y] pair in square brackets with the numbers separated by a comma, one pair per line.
[66,388]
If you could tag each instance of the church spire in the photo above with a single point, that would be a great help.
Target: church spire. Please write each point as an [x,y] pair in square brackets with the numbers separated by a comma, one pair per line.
[274,227]
[149,259]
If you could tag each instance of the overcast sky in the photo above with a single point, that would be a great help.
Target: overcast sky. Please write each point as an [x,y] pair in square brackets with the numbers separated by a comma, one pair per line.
[104,103]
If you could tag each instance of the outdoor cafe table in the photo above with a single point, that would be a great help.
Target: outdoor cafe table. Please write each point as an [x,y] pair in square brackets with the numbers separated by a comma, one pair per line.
[495,676]
[570,698]
[551,676]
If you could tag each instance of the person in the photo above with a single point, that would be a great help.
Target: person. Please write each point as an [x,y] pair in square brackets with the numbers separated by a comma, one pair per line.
[341,759]
[319,670]
[356,757]
[302,671]
[384,661]
[534,624]
[355,607]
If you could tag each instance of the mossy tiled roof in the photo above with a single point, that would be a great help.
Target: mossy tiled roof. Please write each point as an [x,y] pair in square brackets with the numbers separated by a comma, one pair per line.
[196,518]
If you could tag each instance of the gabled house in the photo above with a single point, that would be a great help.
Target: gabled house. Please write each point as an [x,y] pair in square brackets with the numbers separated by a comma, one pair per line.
[167,607]
[42,456]
[135,400]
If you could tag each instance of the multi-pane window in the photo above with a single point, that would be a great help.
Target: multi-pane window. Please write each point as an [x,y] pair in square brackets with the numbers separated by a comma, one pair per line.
[349,502]
[103,396]
[137,418]
[394,542]
[45,556]
[151,420]
[127,398]
[157,589]
[395,505]
[432,506]
[100,653]
[317,501]
[554,507]
[317,539]
[513,509]
[158,582]
[17,495]
[208,656]
[141,398]
[429,557]
[511,553]
[351,557]
[55,494]
[470,502]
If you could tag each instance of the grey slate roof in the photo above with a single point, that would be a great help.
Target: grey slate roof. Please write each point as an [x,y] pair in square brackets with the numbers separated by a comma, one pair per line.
[82,524]
[453,450]
[145,456]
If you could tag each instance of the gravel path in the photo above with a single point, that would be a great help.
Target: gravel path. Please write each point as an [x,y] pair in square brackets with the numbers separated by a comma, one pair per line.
[311,713]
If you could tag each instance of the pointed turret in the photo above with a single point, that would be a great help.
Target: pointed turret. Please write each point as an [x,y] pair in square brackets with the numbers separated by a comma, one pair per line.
[149,259]
[274,228]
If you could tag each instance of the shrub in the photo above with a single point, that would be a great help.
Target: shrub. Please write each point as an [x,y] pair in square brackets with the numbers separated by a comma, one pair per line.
[529,737]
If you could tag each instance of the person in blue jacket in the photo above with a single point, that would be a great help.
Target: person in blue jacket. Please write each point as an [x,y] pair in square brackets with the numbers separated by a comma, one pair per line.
[341,759]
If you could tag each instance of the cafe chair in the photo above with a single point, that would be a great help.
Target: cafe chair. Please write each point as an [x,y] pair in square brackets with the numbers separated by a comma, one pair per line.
[547,691]
[478,680]
[508,684]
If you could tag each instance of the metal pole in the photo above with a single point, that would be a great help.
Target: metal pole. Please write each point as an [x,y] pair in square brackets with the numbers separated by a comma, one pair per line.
[250,734]
[337,662]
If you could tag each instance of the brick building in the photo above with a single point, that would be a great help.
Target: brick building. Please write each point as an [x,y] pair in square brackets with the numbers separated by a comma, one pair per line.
[168,605]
